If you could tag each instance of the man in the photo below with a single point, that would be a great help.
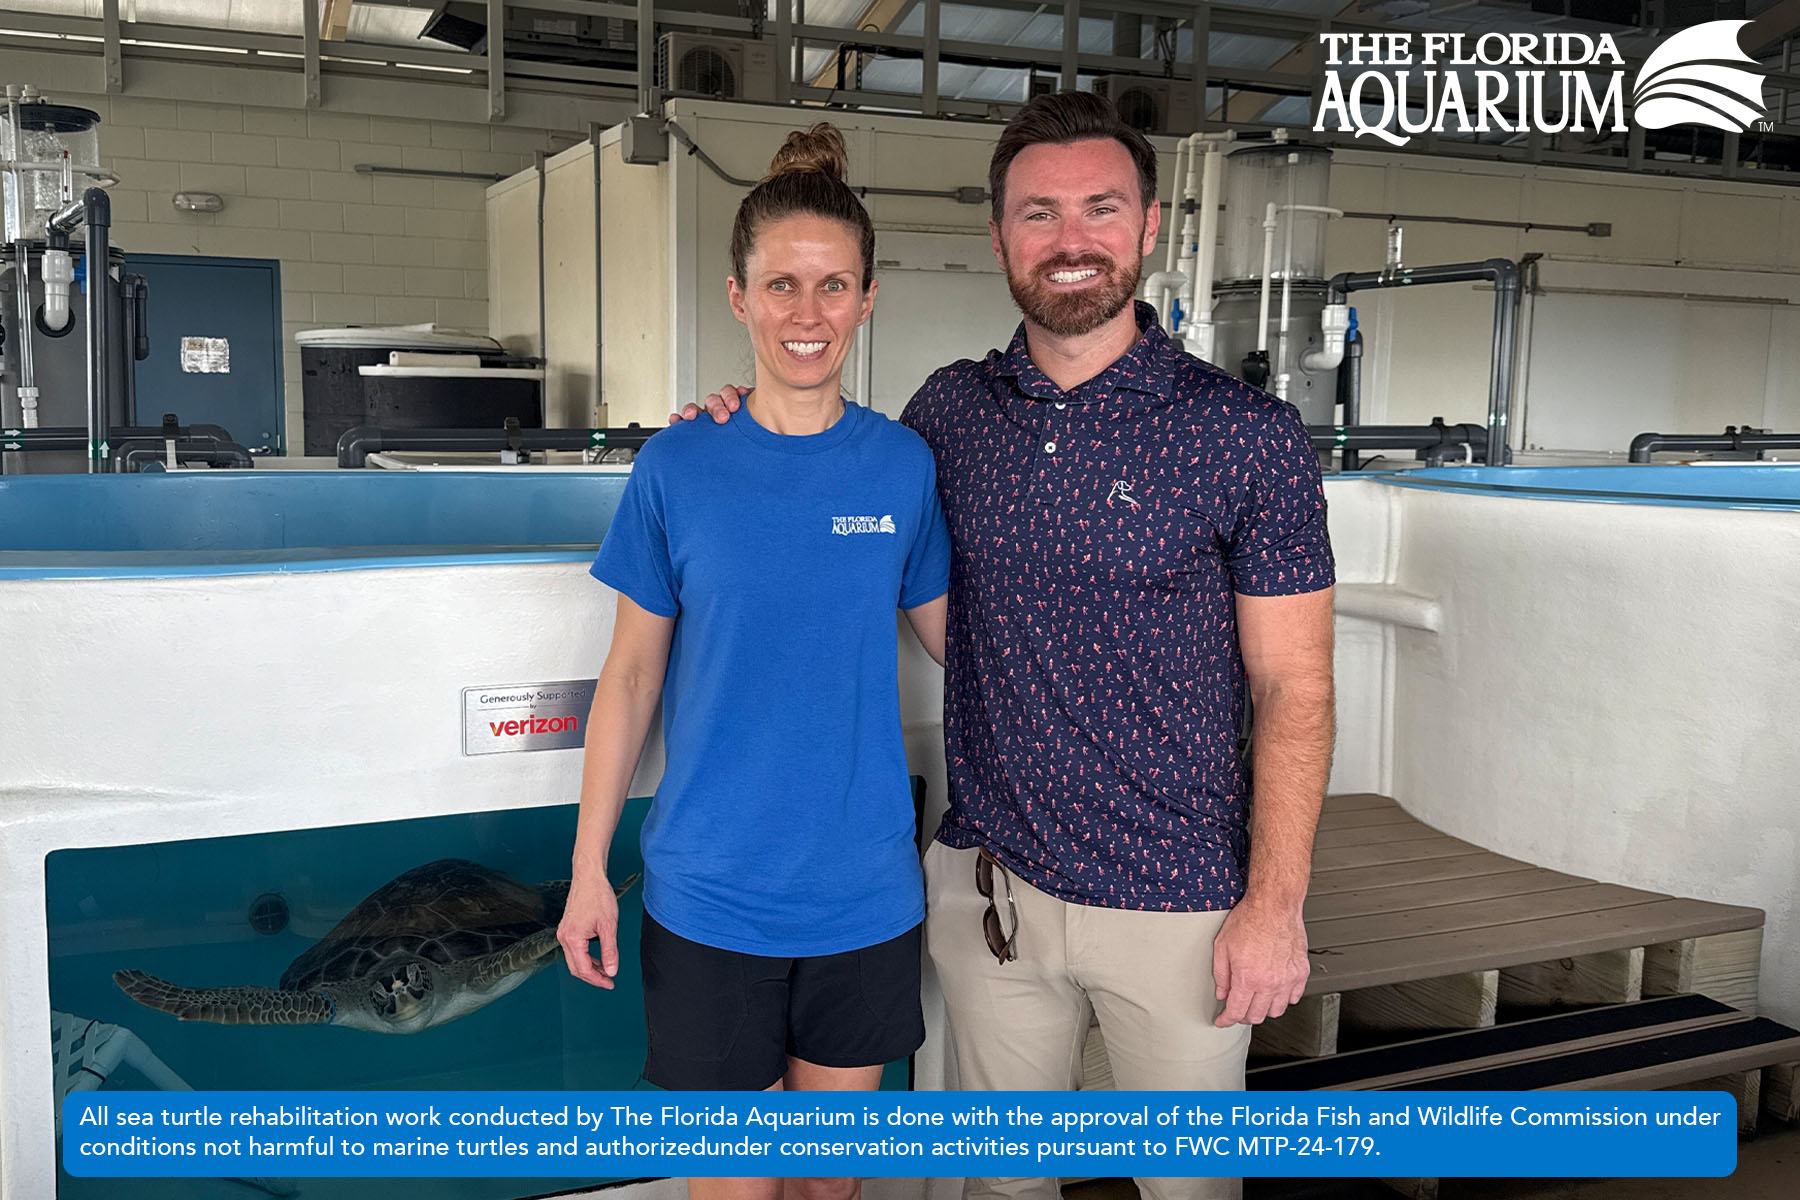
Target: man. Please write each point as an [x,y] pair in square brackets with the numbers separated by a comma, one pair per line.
[1139,541]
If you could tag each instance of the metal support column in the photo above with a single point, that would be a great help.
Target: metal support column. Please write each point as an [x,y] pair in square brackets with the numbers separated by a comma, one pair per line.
[309,18]
[928,85]
[496,59]
[115,72]
[799,66]
[1071,46]
[649,95]
[784,51]
[1202,48]
[1787,68]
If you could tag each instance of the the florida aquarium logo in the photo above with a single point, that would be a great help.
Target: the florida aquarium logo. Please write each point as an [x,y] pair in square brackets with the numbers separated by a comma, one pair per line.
[1701,76]
[1391,86]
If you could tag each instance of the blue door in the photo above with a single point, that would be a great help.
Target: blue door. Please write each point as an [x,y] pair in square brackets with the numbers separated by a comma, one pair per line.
[215,345]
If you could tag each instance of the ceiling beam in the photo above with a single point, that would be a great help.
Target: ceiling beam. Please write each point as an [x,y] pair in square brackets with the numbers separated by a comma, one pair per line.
[334,19]
[1770,28]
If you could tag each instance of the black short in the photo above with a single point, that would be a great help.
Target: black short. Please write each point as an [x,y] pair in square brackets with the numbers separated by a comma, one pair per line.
[724,1021]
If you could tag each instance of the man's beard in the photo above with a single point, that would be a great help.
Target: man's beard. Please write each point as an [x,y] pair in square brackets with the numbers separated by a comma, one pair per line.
[1072,314]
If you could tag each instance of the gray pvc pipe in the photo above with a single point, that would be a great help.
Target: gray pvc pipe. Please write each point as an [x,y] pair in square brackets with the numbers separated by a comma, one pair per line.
[358,443]
[98,206]
[1505,275]
[1646,444]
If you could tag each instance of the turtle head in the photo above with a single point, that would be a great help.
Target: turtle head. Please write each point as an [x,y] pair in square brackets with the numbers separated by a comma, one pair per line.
[399,996]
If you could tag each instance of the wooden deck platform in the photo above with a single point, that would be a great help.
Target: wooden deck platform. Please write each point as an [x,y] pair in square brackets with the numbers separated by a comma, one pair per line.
[1413,932]
[1419,941]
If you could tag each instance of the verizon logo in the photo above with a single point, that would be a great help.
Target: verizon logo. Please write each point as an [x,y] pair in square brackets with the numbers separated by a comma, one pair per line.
[535,725]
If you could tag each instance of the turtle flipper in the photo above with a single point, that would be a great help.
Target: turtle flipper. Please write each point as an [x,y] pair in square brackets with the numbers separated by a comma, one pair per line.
[556,893]
[521,958]
[226,1006]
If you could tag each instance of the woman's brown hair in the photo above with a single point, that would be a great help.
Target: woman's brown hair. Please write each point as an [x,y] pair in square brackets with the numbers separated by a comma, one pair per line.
[806,178]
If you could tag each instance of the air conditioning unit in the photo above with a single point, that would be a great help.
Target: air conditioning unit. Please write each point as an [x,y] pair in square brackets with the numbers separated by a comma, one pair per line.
[715,67]
[1150,105]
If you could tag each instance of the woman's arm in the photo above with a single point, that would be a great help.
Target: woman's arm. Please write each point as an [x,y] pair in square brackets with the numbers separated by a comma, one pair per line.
[624,701]
[928,623]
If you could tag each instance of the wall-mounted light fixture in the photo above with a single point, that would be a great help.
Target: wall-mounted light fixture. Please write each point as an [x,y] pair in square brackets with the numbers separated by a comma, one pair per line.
[199,202]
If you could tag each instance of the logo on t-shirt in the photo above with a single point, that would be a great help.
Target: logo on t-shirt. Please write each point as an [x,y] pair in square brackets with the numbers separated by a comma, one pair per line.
[850,525]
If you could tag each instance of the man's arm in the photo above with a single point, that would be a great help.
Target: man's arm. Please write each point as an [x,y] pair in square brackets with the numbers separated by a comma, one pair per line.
[1259,956]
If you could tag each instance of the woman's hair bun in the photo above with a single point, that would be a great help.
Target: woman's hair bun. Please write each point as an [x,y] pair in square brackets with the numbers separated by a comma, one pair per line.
[819,149]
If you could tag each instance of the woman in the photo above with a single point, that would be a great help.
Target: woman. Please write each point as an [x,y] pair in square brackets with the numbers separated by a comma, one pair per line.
[782,891]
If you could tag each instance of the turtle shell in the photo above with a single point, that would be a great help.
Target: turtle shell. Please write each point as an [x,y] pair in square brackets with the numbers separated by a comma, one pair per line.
[445,912]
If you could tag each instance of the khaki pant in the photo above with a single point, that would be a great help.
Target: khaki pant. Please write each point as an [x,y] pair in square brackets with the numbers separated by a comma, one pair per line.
[1019,1026]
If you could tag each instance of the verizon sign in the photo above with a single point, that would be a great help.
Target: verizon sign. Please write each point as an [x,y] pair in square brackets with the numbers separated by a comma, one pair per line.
[509,717]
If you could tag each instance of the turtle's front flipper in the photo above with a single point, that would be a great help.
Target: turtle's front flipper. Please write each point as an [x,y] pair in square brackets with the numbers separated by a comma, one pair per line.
[521,958]
[226,1006]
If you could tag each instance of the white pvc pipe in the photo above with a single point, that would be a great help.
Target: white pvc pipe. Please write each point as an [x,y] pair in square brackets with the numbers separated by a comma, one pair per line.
[1287,287]
[1211,185]
[1155,292]
[1181,148]
[1334,325]
[1388,604]
[1262,317]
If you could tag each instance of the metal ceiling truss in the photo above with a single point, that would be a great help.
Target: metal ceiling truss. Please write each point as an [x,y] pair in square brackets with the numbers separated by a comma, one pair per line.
[323,48]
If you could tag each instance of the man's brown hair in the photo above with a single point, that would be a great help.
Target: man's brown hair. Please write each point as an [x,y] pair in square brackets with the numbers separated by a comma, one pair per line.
[1059,118]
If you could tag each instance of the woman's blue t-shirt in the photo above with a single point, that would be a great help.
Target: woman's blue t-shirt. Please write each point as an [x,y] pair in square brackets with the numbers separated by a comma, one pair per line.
[783,825]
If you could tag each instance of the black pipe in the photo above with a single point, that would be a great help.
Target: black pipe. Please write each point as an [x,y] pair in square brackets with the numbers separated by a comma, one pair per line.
[1350,392]
[98,207]
[75,437]
[1436,439]
[1500,364]
[130,456]
[1505,275]
[1646,444]
[140,297]
[357,444]
[133,335]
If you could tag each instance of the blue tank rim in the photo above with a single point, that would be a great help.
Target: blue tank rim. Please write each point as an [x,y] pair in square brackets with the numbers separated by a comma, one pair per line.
[1770,487]
[221,523]
[97,569]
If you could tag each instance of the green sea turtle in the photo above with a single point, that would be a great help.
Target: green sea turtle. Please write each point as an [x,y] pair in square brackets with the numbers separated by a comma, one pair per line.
[436,944]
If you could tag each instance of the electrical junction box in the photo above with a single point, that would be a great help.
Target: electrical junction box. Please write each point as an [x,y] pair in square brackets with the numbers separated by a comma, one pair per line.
[643,141]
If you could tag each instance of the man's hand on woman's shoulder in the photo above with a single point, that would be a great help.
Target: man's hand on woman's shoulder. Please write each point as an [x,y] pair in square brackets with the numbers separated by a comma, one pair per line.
[721,404]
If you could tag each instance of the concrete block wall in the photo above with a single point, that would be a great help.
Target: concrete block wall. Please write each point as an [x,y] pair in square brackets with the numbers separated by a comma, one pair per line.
[355,249]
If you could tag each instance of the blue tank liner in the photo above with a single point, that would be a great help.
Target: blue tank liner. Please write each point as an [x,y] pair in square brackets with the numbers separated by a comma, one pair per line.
[231,523]
[1771,486]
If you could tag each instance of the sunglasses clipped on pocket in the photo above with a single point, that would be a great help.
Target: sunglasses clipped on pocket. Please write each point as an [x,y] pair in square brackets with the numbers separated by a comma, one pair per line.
[1001,936]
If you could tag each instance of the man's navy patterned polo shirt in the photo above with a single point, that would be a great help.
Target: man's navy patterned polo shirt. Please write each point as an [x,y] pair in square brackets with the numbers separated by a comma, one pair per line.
[1095,689]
